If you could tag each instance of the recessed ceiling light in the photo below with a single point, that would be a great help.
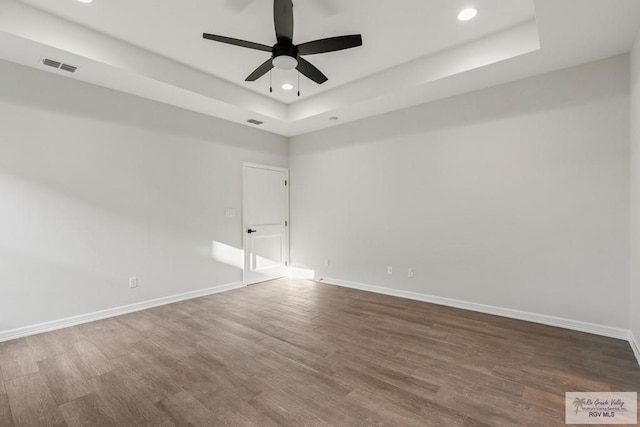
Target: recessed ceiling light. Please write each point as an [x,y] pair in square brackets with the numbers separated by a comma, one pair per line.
[467,14]
[287,86]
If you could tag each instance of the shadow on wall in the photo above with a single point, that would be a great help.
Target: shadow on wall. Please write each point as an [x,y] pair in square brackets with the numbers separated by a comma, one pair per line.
[42,223]
[60,256]
[140,174]
[29,286]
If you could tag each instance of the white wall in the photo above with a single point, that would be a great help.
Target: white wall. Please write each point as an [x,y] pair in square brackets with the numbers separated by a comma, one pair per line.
[97,186]
[515,196]
[635,189]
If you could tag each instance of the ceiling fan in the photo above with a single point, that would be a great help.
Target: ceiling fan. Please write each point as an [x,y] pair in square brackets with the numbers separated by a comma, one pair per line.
[284,54]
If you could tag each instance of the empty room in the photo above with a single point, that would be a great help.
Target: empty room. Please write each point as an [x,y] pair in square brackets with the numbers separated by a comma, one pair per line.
[319,212]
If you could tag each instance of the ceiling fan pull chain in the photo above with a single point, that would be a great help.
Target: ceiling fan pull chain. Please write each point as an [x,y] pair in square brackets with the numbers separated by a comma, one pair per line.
[298,83]
[270,81]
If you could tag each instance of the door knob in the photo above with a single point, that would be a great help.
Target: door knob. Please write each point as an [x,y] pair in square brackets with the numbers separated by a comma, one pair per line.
[251,231]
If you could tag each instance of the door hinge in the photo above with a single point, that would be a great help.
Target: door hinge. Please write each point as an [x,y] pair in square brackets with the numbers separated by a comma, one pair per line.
[285,182]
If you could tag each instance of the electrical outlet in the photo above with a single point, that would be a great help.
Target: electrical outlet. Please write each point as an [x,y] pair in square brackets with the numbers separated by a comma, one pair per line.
[411,273]
[133,282]
[389,269]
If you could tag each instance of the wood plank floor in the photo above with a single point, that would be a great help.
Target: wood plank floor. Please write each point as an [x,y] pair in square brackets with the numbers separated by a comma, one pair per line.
[300,353]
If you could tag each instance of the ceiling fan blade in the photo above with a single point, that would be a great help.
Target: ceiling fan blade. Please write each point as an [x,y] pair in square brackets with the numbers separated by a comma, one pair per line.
[237,42]
[306,68]
[260,71]
[330,44]
[283,20]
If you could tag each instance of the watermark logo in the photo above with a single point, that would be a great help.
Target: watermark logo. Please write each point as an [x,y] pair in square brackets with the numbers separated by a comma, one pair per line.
[601,408]
[579,403]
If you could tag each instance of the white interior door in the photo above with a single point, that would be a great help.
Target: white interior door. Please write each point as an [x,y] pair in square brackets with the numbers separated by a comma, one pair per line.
[265,214]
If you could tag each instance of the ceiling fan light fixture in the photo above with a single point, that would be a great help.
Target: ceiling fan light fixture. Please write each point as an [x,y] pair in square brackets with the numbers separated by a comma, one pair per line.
[287,86]
[467,14]
[285,62]
[85,1]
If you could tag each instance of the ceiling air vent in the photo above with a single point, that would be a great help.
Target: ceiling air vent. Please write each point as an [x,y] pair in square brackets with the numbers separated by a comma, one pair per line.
[59,65]
[69,68]
[254,122]
[51,63]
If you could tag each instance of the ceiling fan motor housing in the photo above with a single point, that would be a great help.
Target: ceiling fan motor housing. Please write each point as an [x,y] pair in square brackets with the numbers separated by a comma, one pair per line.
[284,57]
[288,50]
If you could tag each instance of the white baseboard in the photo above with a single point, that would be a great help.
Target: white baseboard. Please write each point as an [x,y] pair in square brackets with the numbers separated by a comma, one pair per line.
[575,325]
[111,312]
[635,345]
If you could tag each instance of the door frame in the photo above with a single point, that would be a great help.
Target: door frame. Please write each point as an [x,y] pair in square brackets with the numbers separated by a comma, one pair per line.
[245,245]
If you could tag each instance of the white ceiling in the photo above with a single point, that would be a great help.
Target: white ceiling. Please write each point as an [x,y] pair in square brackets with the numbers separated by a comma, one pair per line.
[414,51]
[173,29]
